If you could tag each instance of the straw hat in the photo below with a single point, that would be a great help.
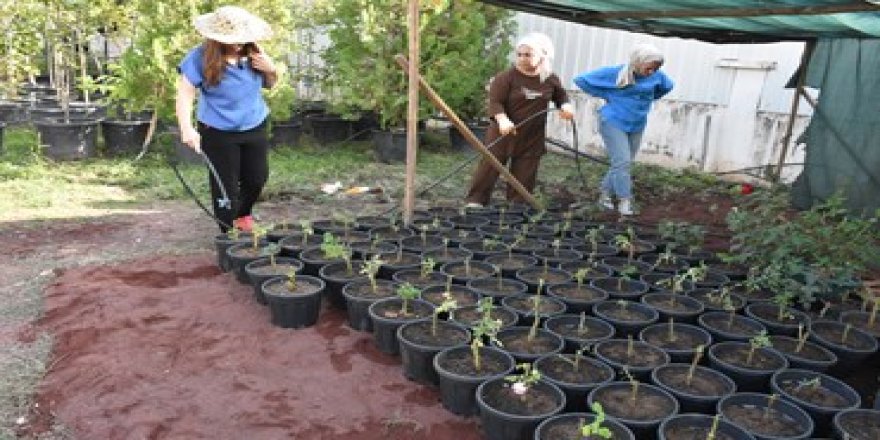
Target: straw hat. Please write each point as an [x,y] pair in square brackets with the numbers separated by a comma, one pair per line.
[232,25]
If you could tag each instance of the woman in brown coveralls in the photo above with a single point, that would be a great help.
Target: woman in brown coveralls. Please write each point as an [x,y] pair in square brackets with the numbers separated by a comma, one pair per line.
[514,95]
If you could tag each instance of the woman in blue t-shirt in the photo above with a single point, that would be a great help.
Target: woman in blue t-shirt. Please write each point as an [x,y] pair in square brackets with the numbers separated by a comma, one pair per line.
[227,72]
[628,91]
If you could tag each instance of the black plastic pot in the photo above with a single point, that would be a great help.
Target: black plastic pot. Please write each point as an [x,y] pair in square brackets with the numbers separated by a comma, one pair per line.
[688,337]
[328,128]
[812,356]
[285,133]
[124,137]
[386,320]
[337,275]
[462,273]
[707,386]
[469,315]
[738,406]
[767,314]
[399,262]
[77,139]
[857,424]
[261,270]
[592,270]
[497,289]
[575,383]
[523,306]
[294,243]
[716,323]
[791,383]
[457,142]
[710,298]
[861,320]
[550,275]
[443,255]
[568,327]
[223,242]
[638,316]
[621,288]
[567,426]
[698,426]
[850,353]
[644,426]
[513,340]
[659,265]
[241,254]
[458,379]
[681,308]
[417,279]
[747,378]
[359,295]
[499,424]
[647,357]
[418,346]
[294,310]
[389,146]
[577,297]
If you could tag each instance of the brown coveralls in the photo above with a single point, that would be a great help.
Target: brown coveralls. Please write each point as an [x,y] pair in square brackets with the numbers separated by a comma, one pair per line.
[519,96]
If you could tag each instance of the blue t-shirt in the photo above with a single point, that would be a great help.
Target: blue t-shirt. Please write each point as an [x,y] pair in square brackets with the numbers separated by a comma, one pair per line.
[235,104]
[625,108]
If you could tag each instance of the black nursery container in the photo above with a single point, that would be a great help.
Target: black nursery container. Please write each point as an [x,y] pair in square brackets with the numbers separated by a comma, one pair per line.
[788,383]
[295,311]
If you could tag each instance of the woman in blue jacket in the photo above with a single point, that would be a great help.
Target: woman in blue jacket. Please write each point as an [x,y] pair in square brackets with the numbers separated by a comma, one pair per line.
[628,91]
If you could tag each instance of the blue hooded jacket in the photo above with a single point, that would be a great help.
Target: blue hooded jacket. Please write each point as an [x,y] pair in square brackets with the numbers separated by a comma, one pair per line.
[626,108]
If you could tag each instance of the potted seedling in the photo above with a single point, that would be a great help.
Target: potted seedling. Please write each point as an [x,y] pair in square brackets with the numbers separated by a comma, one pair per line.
[624,402]
[338,273]
[512,407]
[851,345]
[697,388]
[627,317]
[803,354]
[583,426]
[820,395]
[530,343]
[461,369]
[636,356]
[778,316]
[749,364]
[676,339]
[390,313]
[766,416]
[359,294]
[579,330]
[294,300]
[242,254]
[421,340]
[700,427]
[270,265]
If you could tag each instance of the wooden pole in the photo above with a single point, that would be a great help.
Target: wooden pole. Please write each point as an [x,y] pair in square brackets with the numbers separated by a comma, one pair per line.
[469,136]
[412,116]
[795,101]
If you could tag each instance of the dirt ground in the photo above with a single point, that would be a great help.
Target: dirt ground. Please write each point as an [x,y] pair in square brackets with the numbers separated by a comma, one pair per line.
[161,344]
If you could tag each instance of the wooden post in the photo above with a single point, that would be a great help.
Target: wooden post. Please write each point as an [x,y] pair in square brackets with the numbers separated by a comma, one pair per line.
[795,101]
[469,136]
[412,116]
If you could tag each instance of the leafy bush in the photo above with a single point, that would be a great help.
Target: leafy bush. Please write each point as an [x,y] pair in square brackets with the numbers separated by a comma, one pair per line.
[811,253]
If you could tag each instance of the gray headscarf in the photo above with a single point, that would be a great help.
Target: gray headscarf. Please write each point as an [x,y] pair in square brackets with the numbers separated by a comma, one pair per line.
[640,54]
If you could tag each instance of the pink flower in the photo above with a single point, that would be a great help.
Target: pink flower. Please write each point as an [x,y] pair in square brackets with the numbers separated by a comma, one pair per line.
[519,388]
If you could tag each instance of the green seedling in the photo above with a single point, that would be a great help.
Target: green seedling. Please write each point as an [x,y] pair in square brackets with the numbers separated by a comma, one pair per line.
[536,312]
[427,267]
[771,400]
[761,340]
[595,429]
[783,300]
[698,354]
[802,338]
[633,383]
[257,233]
[575,359]
[290,282]
[271,250]
[490,244]
[623,242]
[813,383]
[622,303]
[484,328]
[371,268]
[521,383]
[671,337]
[713,431]
[626,274]
[332,247]
[580,276]
[630,347]
[582,324]
[446,306]
[845,335]
[557,243]
[407,292]
[233,233]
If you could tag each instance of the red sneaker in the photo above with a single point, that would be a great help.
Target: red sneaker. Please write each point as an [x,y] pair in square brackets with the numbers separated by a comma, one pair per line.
[245,224]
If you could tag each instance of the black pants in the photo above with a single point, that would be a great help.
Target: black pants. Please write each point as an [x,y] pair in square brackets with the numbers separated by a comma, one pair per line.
[240,159]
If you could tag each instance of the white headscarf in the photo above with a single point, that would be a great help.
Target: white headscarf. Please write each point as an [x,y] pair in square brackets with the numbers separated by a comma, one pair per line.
[542,48]
[640,54]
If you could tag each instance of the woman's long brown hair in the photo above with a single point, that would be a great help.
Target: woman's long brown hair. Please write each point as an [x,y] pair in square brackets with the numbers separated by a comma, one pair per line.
[215,60]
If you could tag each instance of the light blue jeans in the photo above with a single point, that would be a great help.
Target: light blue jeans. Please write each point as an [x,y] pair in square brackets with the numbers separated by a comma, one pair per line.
[621,148]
